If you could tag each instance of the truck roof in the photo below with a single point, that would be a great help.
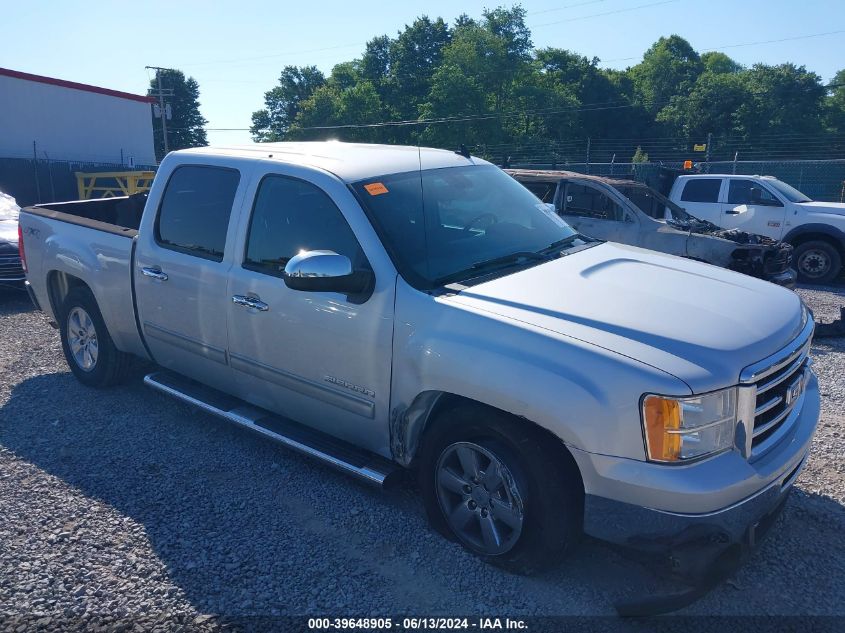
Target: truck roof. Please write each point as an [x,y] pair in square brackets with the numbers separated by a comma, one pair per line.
[725,176]
[553,175]
[350,162]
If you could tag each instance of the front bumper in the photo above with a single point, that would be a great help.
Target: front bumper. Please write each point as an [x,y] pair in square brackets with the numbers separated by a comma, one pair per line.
[787,278]
[650,506]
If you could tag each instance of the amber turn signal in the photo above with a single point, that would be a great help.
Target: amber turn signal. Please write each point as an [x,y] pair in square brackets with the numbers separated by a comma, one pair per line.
[661,416]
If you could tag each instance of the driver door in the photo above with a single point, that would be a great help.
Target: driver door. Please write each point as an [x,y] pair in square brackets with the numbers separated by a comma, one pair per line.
[320,358]
[753,208]
[592,212]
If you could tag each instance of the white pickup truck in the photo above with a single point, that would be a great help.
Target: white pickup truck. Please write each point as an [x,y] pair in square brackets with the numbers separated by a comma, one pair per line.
[388,308]
[767,206]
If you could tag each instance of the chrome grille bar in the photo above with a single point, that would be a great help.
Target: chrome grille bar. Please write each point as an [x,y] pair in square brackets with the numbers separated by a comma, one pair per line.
[771,404]
[782,377]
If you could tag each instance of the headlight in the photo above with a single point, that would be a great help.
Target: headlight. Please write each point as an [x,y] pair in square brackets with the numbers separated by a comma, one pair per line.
[680,429]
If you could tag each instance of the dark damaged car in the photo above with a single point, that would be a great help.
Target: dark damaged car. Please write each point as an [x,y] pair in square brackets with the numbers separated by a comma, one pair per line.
[630,212]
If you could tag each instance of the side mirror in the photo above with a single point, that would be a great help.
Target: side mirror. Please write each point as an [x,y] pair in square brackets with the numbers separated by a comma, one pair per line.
[326,271]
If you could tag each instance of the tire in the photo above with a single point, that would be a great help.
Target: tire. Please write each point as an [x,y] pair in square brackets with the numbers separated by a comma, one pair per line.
[89,350]
[817,262]
[537,511]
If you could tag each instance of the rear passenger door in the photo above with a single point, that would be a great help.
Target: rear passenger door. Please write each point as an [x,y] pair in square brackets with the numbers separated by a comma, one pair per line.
[700,197]
[592,212]
[182,265]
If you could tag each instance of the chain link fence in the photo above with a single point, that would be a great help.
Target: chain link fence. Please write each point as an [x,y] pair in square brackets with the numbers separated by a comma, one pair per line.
[813,164]
[32,181]
[822,180]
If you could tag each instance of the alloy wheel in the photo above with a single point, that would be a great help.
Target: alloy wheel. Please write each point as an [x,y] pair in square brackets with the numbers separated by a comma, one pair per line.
[479,497]
[82,338]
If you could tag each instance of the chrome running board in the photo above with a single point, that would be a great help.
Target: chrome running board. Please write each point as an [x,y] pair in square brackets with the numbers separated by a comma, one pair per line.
[369,467]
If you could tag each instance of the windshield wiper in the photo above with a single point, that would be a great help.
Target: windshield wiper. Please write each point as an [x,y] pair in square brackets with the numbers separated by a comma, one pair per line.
[566,241]
[510,258]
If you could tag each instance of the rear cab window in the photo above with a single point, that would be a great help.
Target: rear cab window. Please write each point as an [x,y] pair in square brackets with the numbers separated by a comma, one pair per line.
[193,216]
[701,190]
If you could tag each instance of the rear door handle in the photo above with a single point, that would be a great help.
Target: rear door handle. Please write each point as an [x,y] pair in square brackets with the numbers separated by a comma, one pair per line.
[155,273]
[250,302]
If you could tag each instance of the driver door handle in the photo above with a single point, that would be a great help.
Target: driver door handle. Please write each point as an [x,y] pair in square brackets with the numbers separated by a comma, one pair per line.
[155,273]
[250,302]
[732,212]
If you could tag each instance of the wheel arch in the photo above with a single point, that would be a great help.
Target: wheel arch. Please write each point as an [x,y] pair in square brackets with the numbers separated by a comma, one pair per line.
[822,232]
[410,426]
[59,285]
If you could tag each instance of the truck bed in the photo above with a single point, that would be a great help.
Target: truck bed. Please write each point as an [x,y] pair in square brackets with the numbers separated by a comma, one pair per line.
[92,242]
[120,216]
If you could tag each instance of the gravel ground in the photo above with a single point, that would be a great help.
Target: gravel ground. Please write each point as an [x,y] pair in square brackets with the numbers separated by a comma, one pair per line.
[120,503]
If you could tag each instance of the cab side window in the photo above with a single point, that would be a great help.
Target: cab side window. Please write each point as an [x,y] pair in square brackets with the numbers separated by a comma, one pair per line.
[193,216]
[289,216]
[739,192]
[543,190]
[702,190]
[587,202]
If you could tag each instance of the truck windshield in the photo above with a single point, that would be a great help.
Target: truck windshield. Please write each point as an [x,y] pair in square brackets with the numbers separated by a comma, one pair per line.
[788,192]
[446,225]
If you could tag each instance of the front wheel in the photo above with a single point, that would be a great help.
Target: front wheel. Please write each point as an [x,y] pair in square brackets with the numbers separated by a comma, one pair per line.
[86,343]
[817,262]
[495,485]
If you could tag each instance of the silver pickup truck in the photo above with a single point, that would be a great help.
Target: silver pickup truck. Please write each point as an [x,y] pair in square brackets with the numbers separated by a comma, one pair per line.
[393,308]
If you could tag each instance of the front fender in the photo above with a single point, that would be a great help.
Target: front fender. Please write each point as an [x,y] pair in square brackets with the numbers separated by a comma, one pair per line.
[817,229]
[585,395]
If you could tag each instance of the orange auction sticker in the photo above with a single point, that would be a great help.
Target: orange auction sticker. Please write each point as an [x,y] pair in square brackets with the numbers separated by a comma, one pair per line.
[375,188]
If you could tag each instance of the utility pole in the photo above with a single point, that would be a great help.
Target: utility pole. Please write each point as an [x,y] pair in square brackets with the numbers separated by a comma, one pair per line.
[161,104]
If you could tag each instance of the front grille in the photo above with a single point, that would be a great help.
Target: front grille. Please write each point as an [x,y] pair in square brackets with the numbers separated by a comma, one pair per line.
[778,259]
[779,392]
[10,268]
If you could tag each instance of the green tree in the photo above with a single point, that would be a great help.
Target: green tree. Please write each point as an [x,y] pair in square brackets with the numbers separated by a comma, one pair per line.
[186,128]
[604,105]
[639,156]
[669,68]
[415,54]
[782,99]
[834,115]
[719,63]
[344,99]
[282,103]
[710,107]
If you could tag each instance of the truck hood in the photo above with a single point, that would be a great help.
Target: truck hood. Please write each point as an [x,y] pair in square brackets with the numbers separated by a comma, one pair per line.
[837,208]
[700,323]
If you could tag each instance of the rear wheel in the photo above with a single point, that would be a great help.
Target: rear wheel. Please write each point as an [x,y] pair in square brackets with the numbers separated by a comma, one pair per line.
[86,343]
[817,262]
[495,485]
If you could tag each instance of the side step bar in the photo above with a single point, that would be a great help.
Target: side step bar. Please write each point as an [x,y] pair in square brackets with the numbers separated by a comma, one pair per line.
[371,468]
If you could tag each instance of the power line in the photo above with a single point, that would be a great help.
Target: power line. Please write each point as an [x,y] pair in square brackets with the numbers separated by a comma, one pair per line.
[569,6]
[719,48]
[614,12]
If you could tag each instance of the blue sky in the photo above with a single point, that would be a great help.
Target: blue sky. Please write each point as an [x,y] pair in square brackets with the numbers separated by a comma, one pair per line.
[235,50]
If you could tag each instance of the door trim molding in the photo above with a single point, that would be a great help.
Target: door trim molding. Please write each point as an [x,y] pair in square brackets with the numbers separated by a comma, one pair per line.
[349,402]
[185,342]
